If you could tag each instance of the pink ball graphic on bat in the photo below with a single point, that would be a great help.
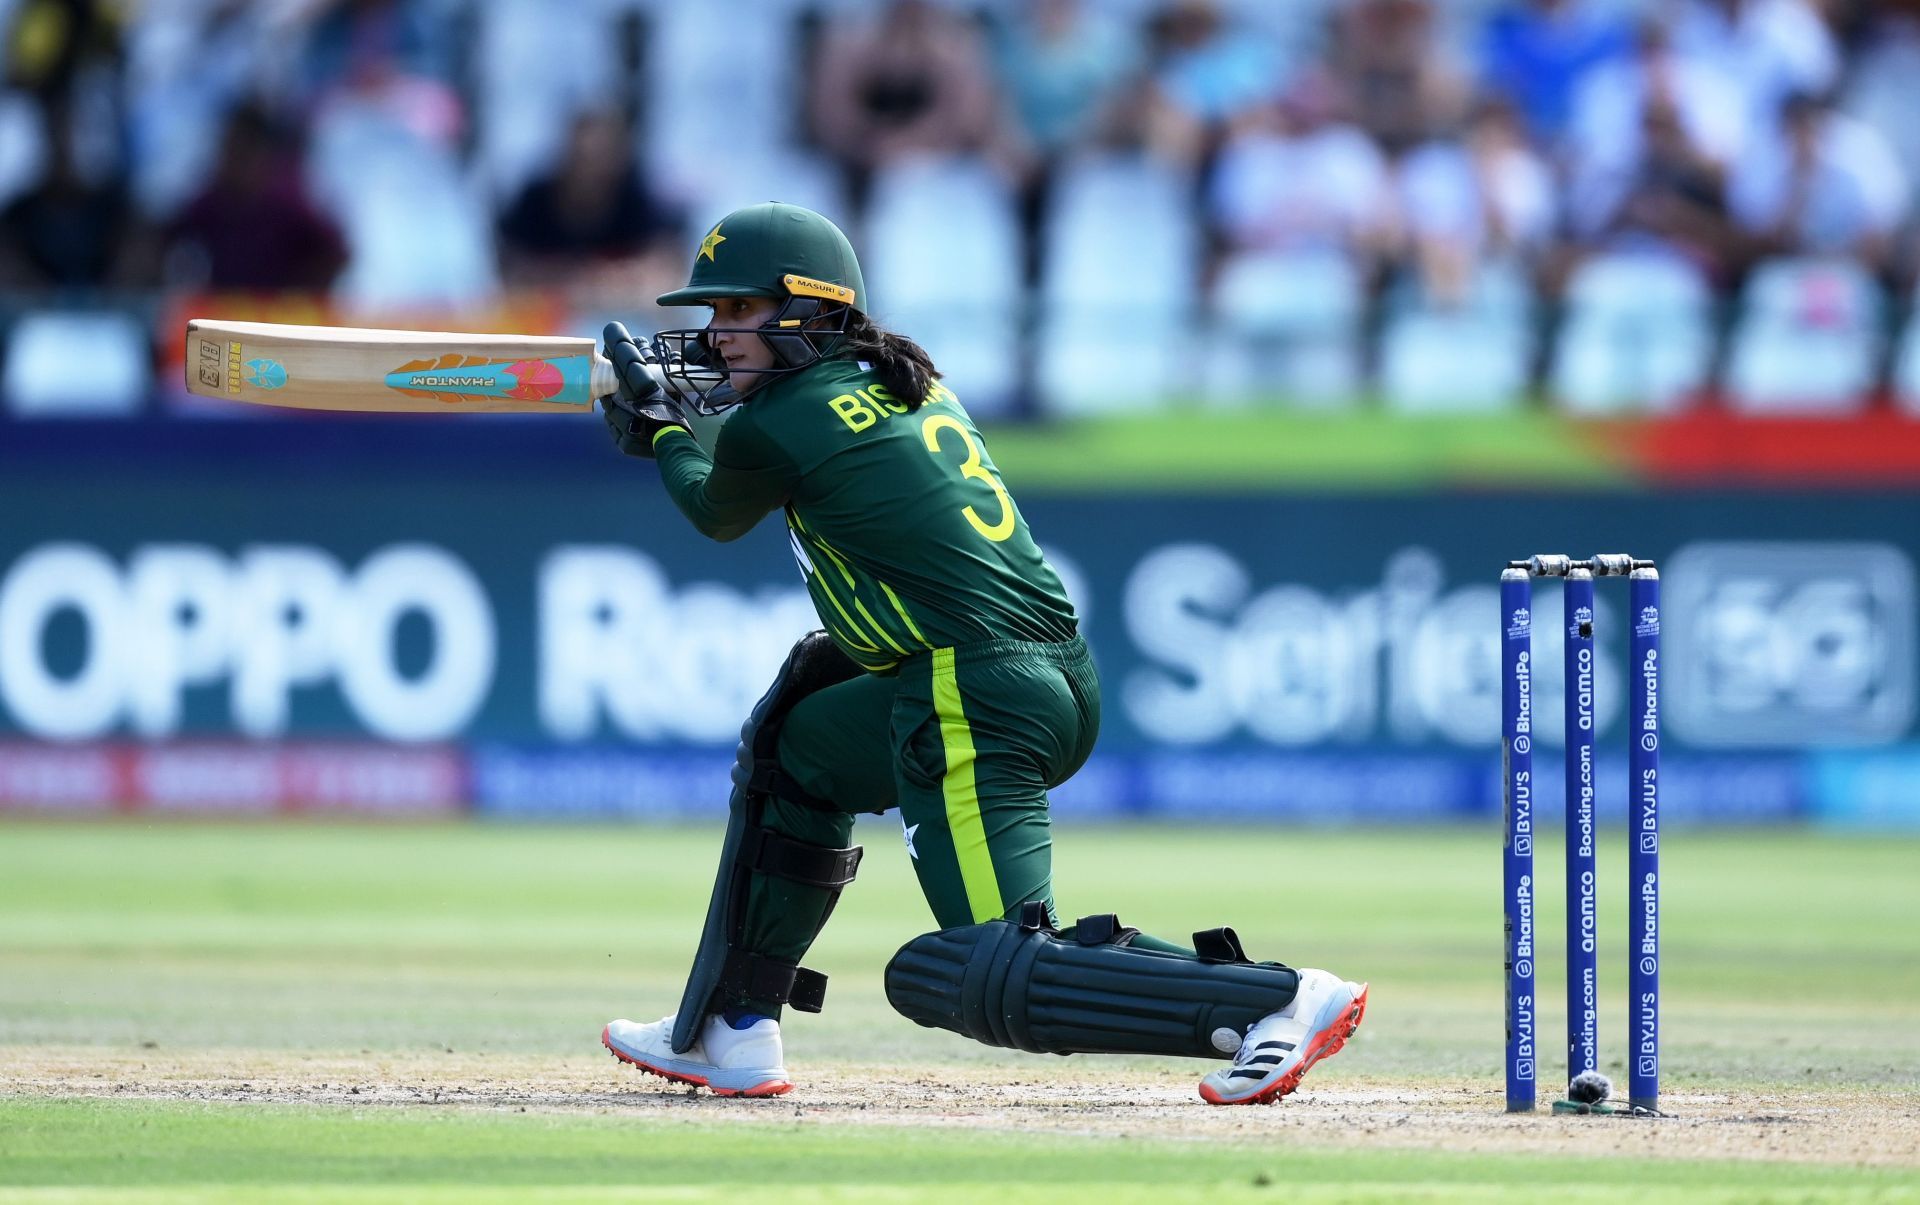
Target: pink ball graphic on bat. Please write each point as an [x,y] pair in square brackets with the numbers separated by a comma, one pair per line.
[535,380]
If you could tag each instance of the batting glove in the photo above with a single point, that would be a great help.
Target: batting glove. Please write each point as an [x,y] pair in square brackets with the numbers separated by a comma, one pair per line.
[641,408]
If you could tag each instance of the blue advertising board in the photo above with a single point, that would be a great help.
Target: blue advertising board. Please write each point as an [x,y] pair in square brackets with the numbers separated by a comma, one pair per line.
[538,612]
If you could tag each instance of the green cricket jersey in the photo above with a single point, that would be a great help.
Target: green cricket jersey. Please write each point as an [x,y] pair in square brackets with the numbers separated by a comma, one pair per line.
[905,534]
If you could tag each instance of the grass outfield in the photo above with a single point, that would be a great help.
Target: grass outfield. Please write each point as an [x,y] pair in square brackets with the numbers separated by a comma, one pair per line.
[189,1010]
[1264,447]
[183,1150]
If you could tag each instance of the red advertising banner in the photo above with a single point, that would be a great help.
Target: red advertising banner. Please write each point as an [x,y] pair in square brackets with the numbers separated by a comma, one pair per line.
[233,778]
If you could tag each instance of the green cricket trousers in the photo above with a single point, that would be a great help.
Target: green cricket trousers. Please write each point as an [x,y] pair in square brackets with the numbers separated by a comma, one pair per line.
[965,742]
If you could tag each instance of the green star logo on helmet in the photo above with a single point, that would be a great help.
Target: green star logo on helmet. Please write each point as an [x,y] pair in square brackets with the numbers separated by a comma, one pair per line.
[714,239]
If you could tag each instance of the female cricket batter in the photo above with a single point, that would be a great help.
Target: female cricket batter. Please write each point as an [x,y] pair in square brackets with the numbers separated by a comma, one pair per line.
[949,682]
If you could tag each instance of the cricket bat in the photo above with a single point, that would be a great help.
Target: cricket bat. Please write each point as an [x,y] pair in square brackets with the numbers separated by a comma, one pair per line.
[393,371]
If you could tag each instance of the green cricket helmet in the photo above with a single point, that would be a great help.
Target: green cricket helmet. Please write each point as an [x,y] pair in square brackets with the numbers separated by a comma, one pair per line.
[769,250]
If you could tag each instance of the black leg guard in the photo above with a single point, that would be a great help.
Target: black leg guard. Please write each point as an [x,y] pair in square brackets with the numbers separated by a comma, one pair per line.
[723,972]
[1029,988]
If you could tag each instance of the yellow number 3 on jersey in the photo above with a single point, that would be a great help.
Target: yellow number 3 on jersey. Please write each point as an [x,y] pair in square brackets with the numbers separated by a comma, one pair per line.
[971,467]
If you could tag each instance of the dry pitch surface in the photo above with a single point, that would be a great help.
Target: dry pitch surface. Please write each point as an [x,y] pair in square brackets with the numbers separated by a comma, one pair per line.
[1082,1097]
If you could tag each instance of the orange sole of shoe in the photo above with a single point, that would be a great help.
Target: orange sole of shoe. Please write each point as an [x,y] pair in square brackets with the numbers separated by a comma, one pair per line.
[1326,1045]
[773,1087]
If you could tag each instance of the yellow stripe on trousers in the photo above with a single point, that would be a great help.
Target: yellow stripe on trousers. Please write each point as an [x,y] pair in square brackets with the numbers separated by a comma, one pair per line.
[964,825]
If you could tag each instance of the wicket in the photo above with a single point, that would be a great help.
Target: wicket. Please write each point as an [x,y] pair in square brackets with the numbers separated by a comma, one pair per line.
[1643,829]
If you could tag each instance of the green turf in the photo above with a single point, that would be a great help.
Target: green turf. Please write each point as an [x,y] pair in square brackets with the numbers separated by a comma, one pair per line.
[118,1144]
[331,938]
[1198,449]
[323,937]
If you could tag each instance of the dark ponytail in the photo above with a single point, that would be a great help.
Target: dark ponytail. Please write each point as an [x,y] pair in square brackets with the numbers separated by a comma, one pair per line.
[903,366]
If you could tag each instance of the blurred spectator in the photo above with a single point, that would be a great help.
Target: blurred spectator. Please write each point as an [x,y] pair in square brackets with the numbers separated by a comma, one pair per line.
[253,226]
[387,139]
[23,137]
[1770,48]
[592,213]
[1294,176]
[1060,61]
[355,42]
[54,46]
[1315,142]
[1536,53]
[1669,198]
[1204,65]
[1485,195]
[1828,184]
[1884,88]
[523,114]
[1650,142]
[188,63]
[65,59]
[915,81]
[1062,64]
[1611,104]
[67,232]
[1853,22]
[1200,72]
[1397,77]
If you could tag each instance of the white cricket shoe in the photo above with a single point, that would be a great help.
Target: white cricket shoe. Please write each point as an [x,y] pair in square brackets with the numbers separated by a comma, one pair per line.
[725,1060]
[1280,1047]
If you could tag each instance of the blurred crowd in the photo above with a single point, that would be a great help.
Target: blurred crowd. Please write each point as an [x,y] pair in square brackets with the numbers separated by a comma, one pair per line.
[1077,204]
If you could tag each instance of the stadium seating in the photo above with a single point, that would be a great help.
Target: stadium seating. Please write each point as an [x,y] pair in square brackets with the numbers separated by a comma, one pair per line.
[524,113]
[943,264]
[1284,325]
[1119,273]
[699,122]
[430,243]
[795,176]
[1808,339]
[46,346]
[1637,333]
[1471,355]
[1906,364]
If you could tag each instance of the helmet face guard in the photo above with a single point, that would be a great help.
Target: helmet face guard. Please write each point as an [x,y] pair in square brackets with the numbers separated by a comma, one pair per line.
[803,331]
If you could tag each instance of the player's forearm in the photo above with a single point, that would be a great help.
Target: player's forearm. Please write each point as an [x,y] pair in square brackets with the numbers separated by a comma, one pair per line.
[721,504]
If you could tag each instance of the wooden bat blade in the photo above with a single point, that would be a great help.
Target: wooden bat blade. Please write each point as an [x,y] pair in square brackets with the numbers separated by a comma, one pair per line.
[393,371]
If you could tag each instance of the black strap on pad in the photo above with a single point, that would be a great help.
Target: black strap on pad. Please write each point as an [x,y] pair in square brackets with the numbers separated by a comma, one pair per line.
[749,976]
[1027,988]
[721,971]
[769,852]
[765,777]
[1219,945]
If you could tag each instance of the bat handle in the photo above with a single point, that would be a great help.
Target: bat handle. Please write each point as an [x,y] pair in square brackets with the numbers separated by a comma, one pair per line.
[603,382]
